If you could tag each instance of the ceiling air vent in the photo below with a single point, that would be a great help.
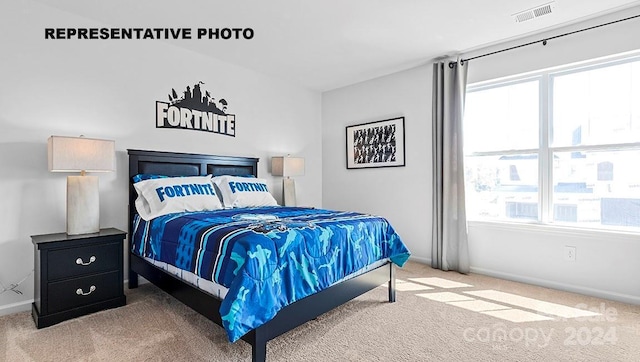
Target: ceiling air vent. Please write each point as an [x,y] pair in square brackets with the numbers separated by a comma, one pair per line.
[536,12]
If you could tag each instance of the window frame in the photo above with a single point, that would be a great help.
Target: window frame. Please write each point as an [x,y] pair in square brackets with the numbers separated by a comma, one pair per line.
[545,151]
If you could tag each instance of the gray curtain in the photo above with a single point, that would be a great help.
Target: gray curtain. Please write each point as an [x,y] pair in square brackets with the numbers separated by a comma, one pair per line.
[449,250]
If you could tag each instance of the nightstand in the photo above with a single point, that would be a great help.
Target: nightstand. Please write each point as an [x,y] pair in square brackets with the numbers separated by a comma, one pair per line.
[77,275]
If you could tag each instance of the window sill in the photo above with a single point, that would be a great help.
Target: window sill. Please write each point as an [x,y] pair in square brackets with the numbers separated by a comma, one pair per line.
[568,230]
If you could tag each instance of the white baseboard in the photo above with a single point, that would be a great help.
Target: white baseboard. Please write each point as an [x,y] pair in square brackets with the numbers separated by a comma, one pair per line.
[24,306]
[420,260]
[624,298]
[604,294]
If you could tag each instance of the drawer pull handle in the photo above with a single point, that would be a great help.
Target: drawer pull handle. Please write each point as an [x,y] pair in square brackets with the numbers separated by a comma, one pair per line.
[79,261]
[92,289]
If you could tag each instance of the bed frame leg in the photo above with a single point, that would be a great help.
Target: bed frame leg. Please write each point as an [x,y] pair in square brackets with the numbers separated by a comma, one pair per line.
[133,279]
[392,283]
[259,351]
[258,342]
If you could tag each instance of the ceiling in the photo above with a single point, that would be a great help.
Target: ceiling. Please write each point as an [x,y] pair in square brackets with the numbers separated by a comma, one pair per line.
[327,44]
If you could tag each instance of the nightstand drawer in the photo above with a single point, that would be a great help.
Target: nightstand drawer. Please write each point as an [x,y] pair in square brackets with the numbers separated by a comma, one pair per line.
[72,293]
[64,263]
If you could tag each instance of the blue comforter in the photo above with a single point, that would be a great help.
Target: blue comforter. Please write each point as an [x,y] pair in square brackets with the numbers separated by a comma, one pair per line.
[267,257]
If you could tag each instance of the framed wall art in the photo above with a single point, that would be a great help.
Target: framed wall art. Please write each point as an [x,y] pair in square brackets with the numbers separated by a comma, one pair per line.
[376,144]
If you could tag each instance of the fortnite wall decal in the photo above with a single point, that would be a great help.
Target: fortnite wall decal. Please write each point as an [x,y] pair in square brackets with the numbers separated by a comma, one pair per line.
[195,111]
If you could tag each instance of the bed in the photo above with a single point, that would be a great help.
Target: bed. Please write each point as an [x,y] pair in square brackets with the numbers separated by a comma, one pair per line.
[209,302]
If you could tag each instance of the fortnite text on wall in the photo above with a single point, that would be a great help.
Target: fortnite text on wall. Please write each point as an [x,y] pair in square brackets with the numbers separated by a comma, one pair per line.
[195,111]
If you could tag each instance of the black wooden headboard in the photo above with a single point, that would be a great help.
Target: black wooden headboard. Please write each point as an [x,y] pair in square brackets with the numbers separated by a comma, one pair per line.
[184,164]
[189,164]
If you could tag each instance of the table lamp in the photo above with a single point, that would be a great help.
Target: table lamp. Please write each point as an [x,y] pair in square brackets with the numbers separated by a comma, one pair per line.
[287,167]
[81,154]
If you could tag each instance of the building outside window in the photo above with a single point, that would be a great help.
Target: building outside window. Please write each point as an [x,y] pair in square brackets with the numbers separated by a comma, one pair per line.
[559,146]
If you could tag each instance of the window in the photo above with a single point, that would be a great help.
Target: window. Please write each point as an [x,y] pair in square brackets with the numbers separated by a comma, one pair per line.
[560,146]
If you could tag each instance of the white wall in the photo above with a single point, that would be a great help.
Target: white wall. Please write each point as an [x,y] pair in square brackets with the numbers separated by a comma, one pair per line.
[606,264]
[401,194]
[107,89]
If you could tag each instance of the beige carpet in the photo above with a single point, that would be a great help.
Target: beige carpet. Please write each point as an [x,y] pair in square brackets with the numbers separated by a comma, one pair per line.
[155,327]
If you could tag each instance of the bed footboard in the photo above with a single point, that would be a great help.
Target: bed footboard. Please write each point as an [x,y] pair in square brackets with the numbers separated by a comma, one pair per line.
[317,304]
[288,318]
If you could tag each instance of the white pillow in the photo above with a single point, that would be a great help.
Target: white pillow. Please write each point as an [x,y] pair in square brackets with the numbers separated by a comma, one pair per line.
[244,191]
[163,196]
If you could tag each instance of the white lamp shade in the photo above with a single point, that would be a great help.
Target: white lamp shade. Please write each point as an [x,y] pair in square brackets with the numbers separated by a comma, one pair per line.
[76,154]
[287,166]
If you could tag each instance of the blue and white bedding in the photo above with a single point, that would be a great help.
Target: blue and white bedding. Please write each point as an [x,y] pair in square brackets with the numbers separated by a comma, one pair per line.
[267,257]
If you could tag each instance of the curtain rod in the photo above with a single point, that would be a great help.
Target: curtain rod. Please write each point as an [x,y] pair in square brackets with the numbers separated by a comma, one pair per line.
[544,41]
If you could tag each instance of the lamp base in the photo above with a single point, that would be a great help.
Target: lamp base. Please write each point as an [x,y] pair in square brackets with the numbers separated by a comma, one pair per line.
[83,205]
[289,192]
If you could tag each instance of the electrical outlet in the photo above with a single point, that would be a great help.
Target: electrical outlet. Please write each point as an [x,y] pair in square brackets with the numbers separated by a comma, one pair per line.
[570,253]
